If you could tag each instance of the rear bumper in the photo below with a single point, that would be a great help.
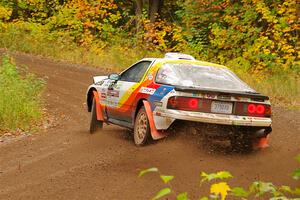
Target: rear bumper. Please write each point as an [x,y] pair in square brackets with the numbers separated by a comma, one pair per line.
[217,118]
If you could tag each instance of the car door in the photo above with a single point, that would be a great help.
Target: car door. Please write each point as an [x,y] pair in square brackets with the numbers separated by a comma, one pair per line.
[121,94]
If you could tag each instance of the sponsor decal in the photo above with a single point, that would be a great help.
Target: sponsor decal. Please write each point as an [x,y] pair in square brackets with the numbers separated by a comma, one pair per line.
[197,95]
[99,83]
[210,96]
[113,93]
[103,95]
[158,103]
[224,97]
[147,90]
[111,103]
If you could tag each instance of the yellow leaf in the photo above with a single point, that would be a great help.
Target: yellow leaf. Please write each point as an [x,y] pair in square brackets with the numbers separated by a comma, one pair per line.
[221,188]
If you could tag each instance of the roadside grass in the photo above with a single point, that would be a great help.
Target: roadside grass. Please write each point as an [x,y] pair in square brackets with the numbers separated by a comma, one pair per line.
[20,103]
[283,88]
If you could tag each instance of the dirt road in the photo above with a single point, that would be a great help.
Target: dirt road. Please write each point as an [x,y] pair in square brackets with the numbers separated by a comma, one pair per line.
[66,162]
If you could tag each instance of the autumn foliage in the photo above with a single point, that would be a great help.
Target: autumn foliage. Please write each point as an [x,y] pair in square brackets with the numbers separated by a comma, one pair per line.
[259,34]
[256,36]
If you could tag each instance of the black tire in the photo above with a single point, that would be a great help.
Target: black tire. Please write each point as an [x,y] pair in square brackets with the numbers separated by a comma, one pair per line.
[141,133]
[94,123]
[241,142]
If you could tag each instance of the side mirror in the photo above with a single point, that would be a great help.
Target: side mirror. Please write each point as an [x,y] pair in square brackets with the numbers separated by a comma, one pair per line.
[114,77]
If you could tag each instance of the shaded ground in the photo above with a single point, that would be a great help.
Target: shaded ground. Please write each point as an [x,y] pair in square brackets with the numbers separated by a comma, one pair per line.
[66,162]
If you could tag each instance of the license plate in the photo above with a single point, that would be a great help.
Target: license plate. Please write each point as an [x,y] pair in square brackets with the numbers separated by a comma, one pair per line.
[221,107]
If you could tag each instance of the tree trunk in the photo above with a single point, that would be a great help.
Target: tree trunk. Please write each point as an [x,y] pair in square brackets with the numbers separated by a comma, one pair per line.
[138,8]
[153,9]
[138,14]
[161,5]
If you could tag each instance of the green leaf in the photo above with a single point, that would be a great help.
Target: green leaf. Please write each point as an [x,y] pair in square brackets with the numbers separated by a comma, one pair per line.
[166,179]
[204,176]
[162,193]
[296,174]
[182,196]
[214,176]
[239,192]
[207,177]
[223,175]
[260,188]
[153,169]
[298,158]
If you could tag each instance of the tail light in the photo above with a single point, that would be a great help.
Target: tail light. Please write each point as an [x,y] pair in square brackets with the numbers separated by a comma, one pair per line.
[183,103]
[258,109]
[193,103]
[253,109]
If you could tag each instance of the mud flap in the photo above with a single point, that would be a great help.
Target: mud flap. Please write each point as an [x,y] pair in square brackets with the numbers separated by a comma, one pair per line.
[99,112]
[154,132]
[262,143]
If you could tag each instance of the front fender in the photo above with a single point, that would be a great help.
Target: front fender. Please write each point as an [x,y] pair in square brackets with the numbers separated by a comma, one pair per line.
[97,79]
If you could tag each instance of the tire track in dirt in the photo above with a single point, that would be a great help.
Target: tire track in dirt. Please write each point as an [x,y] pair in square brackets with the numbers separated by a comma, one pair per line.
[66,162]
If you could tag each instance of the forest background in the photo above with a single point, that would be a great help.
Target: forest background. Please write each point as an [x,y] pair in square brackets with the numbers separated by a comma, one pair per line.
[258,39]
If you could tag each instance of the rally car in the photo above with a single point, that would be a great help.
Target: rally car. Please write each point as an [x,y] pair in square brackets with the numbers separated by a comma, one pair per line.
[155,93]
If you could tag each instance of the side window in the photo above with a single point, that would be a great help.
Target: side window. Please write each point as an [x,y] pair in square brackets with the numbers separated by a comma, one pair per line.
[136,72]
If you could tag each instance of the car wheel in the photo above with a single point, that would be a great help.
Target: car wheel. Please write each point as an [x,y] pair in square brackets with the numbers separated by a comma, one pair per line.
[241,142]
[141,128]
[94,123]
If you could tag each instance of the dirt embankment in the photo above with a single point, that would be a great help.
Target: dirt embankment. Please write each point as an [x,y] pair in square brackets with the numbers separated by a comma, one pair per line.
[66,162]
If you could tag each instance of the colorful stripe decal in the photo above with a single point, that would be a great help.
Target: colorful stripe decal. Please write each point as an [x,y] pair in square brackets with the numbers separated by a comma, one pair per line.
[160,93]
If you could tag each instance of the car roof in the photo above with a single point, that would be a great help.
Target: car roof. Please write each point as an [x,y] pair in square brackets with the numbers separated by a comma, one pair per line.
[180,58]
[179,61]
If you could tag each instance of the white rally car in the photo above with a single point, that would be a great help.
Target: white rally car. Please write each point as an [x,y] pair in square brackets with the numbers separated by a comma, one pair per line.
[155,93]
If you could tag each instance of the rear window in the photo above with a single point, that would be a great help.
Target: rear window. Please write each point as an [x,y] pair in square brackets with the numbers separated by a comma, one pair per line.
[202,77]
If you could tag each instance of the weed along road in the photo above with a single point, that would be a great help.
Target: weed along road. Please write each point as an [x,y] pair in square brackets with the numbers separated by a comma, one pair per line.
[66,162]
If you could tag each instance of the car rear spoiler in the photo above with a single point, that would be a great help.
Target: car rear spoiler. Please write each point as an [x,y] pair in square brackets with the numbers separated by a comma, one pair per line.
[252,95]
